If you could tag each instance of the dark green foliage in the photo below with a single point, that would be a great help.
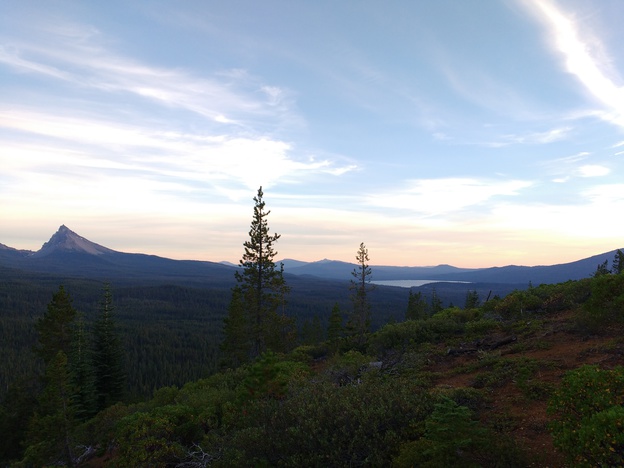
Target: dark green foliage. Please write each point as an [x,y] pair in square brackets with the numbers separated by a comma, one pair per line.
[55,329]
[417,308]
[323,425]
[618,262]
[157,438]
[268,377]
[261,290]
[411,334]
[108,355]
[335,329]
[451,438]
[436,302]
[170,333]
[312,331]
[371,406]
[605,304]
[472,300]
[236,331]
[50,440]
[589,423]
[82,373]
[16,410]
[602,269]
[402,336]
[602,438]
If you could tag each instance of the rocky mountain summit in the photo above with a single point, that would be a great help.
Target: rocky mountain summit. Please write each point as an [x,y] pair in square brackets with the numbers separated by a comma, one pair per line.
[68,241]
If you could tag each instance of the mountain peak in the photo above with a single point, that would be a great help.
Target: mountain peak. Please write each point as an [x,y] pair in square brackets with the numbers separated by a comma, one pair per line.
[67,240]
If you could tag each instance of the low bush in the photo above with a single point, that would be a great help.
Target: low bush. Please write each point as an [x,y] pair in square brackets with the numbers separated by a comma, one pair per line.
[588,424]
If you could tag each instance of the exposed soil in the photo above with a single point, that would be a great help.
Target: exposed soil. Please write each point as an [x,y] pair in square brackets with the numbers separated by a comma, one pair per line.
[520,410]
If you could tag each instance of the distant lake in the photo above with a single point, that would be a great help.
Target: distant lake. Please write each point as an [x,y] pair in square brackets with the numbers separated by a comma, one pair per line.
[412,283]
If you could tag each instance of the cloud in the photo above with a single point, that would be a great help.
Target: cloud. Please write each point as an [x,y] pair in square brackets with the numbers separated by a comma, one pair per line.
[531,138]
[88,144]
[584,57]
[233,137]
[437,197]
[568,167]
[232,97]
[591,218]
[593,170]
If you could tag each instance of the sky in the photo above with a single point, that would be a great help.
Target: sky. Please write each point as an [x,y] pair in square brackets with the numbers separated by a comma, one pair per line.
[475,134]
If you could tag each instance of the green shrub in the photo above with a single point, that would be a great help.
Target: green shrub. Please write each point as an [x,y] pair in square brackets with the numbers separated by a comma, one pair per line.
[588,416]
[519,303]
[155,439]
[269,376]
[605,304]
[322,424]
[401,336]
[602,438]
[481,327]
[450,438]
[458,315]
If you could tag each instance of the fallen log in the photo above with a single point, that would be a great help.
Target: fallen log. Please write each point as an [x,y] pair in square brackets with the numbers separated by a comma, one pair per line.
[480,346]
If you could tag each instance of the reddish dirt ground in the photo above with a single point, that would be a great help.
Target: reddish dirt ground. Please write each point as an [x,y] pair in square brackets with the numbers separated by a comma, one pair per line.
[558,349]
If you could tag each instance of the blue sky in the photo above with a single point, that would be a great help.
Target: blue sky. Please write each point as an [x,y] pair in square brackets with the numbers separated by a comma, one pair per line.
[470,133]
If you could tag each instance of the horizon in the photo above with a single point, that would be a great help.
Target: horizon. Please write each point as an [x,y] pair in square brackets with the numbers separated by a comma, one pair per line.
[473,135]
[325,259]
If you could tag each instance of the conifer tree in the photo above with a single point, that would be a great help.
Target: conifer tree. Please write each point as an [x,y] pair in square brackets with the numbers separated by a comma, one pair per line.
[618,262]
[335,329]
[359,321]
[56,327]
[237,331]
[602,269]
[108,356]
[472,300]
[50,442]
[417,308]
[261,290]
[312,331]
[82,377]
[436,302]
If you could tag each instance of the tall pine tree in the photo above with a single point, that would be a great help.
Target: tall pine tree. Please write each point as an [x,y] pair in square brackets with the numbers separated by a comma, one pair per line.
[56,327]
[236,331]
[50,440]
[82,377]
[335,330]
[417,308]
[49,437]
[253,320]
[360,321]
[108,355]
[618,262]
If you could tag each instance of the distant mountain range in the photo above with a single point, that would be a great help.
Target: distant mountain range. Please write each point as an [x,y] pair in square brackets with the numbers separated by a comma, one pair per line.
[68,253]
[511,274]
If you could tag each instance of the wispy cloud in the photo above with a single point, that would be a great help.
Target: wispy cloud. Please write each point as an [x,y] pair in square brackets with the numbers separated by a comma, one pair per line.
[579,219]
[234,139]
[568,167]
[226,97]
[438,197]
[93,143]
[593,170]
[531,138]
[584,57]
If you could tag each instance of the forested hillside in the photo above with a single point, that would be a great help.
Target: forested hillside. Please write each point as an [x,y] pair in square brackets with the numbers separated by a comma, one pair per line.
[171,333]
[296,370]
[500,383]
